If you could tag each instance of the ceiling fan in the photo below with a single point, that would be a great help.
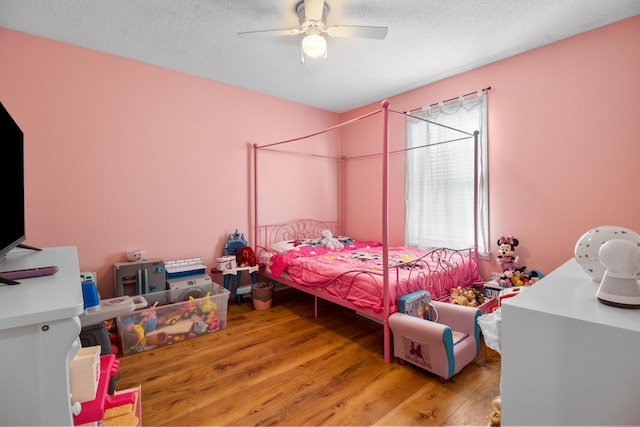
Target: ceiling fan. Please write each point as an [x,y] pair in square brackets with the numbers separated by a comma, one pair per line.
[312,15]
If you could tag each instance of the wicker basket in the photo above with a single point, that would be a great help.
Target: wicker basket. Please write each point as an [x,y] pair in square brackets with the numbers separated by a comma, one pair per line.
[262,295]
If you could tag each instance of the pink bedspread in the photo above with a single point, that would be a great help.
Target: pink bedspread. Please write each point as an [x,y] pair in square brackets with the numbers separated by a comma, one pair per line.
[355,273]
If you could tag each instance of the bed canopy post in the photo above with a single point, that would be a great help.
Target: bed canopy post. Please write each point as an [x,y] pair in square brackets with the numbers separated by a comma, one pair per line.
[476,148]
[255,198]
[385,229]
[342,217]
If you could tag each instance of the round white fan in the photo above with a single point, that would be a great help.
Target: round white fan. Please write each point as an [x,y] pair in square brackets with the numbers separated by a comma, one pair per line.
[312,15]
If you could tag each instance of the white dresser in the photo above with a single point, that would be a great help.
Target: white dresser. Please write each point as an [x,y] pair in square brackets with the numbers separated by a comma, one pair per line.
[568,359]
[39,330]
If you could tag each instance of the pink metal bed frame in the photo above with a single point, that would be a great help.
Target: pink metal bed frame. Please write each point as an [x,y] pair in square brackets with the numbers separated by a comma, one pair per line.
[306,228]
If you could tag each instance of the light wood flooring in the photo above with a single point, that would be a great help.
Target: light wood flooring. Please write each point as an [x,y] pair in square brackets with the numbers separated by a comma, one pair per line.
[283,366]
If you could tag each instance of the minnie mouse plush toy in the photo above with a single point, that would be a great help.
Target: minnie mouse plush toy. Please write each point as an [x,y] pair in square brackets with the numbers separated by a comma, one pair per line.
[506,258]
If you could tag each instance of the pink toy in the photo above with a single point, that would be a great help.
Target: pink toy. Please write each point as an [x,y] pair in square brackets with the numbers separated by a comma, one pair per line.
[512,273]
[506,258]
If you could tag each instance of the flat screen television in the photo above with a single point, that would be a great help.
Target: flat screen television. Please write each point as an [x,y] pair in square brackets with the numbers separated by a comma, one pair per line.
[12,227]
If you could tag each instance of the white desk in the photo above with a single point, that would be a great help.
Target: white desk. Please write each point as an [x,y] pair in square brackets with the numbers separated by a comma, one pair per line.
[568,359]
[39,330]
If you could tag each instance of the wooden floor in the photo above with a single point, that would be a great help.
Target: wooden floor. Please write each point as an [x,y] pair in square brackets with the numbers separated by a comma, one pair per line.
[284,367]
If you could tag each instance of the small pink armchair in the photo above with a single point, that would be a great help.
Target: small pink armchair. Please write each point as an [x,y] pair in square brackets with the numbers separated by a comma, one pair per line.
[442,347]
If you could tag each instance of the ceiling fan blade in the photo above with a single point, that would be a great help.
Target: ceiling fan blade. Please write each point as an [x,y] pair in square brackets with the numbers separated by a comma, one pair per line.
[313,9]
[357,31]
[270,33]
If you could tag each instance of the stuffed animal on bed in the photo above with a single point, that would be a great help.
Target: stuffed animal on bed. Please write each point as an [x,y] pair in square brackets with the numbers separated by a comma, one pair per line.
[330,242]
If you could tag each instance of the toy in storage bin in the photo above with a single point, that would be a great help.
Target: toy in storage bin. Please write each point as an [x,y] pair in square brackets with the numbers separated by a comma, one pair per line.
[174,316]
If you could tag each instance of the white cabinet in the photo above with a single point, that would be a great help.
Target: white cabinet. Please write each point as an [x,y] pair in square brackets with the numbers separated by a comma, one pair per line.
[568,359]
[39,330]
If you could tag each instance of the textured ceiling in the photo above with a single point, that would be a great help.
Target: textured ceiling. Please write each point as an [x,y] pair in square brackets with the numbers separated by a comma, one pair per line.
[428,40]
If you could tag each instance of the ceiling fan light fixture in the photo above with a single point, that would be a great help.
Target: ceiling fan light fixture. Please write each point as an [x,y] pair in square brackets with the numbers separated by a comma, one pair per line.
[314,45]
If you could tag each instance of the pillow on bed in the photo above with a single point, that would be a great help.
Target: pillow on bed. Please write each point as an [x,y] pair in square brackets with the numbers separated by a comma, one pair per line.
[290,245]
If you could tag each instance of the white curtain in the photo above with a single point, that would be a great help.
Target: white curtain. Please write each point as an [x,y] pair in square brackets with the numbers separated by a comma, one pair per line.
[439,175]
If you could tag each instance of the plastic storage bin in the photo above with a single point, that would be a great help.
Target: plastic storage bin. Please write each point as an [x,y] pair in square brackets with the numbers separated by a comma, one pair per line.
[174,316]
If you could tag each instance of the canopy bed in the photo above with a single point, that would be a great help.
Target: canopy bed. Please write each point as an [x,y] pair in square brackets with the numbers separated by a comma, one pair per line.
[367,276]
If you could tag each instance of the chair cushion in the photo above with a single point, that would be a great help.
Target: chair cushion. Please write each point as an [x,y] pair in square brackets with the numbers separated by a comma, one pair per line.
[458,336]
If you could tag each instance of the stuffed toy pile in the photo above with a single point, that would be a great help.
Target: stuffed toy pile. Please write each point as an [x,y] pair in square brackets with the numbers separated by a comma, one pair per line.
[471,297]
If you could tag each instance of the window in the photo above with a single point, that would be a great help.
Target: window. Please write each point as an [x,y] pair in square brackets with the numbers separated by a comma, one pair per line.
[439,192]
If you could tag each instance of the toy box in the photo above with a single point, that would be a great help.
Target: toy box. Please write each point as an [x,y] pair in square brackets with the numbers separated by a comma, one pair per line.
[474,297]
[488,304]
[173,316]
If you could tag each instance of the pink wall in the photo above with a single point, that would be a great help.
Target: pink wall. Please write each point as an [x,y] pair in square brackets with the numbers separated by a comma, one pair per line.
[123,155]
[564,140]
